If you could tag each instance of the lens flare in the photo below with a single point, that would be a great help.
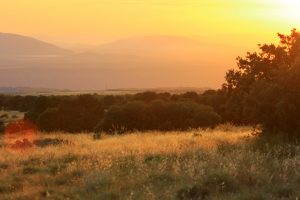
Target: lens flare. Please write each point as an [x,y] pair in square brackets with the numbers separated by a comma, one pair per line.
[20,135]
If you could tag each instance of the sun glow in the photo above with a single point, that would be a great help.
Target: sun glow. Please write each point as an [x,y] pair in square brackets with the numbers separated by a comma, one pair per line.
[289,3]
[286,10]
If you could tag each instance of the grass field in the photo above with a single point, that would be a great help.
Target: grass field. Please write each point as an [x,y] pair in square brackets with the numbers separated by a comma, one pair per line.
[225,163]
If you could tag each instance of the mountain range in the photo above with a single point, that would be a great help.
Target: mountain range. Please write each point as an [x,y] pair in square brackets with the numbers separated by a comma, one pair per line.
[150,61]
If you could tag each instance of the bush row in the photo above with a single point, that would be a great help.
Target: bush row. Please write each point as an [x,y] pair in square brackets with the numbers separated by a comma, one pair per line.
[120,113]
[158,115]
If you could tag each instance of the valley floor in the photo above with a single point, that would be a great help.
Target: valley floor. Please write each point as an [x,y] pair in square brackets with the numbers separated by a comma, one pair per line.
[225,163]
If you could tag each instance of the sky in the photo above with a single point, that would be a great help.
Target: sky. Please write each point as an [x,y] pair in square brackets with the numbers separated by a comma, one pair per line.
[98,21]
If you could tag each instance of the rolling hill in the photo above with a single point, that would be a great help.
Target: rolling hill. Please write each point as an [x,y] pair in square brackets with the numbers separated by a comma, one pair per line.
[18,45]
[140,62]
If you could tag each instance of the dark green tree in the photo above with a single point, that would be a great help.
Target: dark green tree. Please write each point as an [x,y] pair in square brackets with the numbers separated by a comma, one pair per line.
[264,89]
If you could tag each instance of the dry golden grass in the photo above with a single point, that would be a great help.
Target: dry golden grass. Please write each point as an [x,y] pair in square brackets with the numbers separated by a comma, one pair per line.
[216,164]
[137,144]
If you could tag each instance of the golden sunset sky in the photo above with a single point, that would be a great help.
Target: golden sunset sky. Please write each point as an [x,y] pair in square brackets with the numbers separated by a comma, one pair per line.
[98,21]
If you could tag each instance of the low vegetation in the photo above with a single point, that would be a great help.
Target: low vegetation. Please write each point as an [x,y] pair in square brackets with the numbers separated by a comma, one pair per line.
[224,163]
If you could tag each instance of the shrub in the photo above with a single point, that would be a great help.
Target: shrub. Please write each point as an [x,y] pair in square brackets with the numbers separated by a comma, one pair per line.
[158,115]
[146,96]
[50,120]
[128,117]
[49,142]
[195,192]
[180,115]
[78,114]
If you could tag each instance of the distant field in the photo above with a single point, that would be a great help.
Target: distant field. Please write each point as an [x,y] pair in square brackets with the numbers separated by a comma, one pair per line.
[49,92]
[9,116]
[25,91]
[225,163]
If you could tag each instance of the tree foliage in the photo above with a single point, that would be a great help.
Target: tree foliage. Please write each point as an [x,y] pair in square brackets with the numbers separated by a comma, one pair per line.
[265,87]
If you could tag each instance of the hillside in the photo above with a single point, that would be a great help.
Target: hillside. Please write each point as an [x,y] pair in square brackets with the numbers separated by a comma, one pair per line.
[18,45]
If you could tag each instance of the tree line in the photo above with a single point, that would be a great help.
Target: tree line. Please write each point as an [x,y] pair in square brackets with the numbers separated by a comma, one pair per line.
[118,113]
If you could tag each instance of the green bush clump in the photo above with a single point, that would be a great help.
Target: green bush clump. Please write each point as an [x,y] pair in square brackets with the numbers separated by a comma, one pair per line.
[77,114]
[158,115]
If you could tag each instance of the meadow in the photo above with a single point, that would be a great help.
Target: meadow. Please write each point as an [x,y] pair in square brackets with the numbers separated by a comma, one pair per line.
[223,163]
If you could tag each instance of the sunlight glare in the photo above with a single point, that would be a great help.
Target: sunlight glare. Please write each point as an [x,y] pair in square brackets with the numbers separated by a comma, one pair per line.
[290,3]
[287,10]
